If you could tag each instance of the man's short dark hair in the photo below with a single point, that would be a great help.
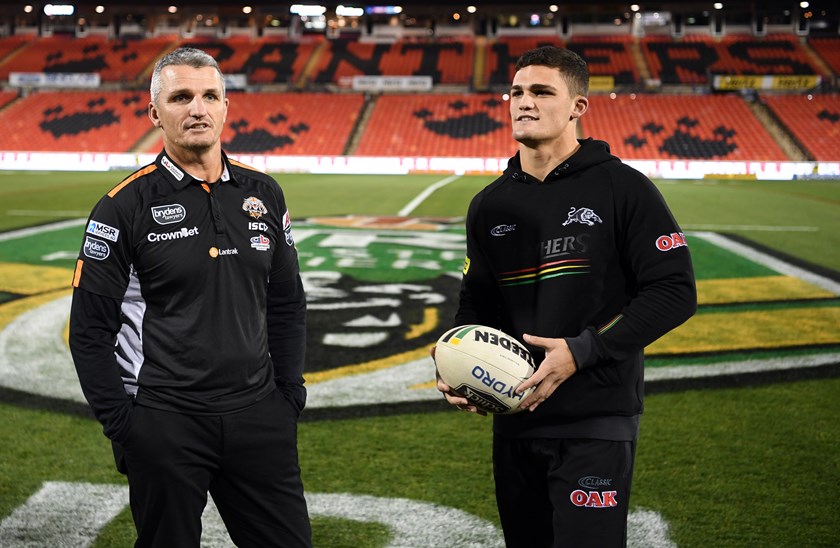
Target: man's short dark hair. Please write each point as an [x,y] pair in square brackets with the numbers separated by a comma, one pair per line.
[571,66]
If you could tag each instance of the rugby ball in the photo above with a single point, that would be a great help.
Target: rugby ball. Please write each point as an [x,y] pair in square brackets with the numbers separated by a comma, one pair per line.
[485,366]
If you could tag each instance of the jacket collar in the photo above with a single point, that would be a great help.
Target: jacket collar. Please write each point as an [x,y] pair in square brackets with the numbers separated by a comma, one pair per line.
[180,179]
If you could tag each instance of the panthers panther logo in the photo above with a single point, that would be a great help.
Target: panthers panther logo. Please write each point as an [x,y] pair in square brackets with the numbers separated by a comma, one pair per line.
[584,215]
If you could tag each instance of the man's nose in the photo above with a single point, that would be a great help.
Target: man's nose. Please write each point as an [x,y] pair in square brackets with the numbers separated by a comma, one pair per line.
[197,107]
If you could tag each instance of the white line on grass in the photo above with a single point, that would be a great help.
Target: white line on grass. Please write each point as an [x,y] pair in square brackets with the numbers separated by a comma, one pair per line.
[42,212]
[753,228]
[32,231]
[769,261]
[428,191]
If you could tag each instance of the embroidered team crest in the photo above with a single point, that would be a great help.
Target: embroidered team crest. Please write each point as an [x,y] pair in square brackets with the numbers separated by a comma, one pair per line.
[582,215]
[254,207]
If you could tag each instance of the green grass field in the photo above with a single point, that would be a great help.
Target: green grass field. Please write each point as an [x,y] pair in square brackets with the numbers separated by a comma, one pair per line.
[743,462]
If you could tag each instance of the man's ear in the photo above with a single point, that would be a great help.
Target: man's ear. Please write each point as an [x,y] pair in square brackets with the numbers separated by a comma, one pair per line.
[581,104]
[153,116]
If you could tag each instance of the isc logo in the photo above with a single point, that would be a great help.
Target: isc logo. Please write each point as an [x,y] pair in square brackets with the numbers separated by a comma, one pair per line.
[257,226]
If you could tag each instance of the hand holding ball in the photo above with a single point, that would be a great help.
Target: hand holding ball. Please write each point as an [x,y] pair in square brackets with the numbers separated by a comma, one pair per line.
[485,366]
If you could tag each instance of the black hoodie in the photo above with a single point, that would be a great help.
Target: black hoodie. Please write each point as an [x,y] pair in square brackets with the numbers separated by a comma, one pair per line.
[592,255]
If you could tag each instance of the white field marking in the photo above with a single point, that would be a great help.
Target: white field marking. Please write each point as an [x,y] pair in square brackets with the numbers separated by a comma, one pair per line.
[736,368]
[428,191]
[35,230]
[33,355]
[754,228]
[769,261]
[43,212]
[71,515]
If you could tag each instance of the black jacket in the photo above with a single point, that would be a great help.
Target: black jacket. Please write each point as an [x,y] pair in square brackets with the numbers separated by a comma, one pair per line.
[593,255]
[187,296]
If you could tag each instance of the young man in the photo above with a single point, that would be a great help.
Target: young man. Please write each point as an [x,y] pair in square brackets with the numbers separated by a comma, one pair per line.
[580,275]
[187,328]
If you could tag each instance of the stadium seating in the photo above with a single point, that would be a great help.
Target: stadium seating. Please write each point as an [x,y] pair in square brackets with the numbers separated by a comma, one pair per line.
[288,123]
[503,53]
[670,127]
[74,121]
[694,58]
[7,97]
[607,56]
[814,120]
[438,125]
[263,61]
[9,44]
[447,61]
[114,60]
[829,50]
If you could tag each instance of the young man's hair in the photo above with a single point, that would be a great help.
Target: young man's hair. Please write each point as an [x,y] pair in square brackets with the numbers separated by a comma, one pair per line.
[572,68]
[190,57]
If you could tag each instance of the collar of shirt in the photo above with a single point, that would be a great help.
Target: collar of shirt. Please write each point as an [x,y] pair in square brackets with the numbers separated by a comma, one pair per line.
[179,178]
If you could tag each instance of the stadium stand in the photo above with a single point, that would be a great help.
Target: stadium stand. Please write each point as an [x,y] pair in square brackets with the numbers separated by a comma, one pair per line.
[264,61]
[693,59]
[288,123]
[73,121]
[670,127]
[607,56]
[114,60]
[446,61]
[814,120]
[829,50]
[466,125]
[7,97]
[503,53]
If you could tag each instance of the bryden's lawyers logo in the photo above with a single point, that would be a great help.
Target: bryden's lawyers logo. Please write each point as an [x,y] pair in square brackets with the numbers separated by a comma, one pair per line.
[169,214]
[96,249]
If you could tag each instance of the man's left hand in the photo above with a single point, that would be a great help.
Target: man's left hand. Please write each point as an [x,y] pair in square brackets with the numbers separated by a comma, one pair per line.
[558,365]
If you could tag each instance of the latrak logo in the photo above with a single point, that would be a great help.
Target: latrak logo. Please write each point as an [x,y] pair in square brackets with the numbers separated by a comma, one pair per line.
[667,243]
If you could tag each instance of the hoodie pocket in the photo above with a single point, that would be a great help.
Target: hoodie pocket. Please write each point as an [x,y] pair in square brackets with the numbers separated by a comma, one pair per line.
[605,375]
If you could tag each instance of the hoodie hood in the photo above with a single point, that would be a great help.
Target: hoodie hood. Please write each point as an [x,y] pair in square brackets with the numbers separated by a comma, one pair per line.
[591,152]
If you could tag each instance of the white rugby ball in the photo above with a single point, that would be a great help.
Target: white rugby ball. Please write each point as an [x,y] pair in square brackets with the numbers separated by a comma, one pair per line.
[485,366]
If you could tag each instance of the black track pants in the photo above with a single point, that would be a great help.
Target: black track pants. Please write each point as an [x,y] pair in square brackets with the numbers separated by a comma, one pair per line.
[247,461]
[563,492]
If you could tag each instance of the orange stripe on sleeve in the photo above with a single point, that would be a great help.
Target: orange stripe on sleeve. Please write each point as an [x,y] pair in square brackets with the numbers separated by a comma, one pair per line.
[78,273]
[146,170]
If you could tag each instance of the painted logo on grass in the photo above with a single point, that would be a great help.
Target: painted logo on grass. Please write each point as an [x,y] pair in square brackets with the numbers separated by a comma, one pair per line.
[382,289]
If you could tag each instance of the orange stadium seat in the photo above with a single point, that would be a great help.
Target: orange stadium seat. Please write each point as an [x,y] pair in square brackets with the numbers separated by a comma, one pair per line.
[7,97]
[607,56]
[669,127]
[693,59]
[503,53]
[113,60]
[263,61]
[814,121]
[75,121]
[453,125]
[447,61]
[288,123]
[829,50]
[8,44]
